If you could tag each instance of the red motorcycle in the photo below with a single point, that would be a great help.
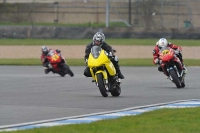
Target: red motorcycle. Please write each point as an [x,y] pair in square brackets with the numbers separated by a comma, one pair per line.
[171,66]
[58,64]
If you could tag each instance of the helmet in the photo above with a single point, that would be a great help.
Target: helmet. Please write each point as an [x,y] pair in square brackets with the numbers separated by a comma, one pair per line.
[162,43]
[44,49]
[98,38]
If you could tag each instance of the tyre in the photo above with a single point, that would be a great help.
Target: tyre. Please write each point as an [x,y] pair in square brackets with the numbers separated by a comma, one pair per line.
[117,91]
[101,85]
[183,83]
[175,78]
[66,67]
[62,74]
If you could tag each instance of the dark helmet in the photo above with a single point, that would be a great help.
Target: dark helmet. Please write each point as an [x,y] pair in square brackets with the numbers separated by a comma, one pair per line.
[98,38]
[44,49]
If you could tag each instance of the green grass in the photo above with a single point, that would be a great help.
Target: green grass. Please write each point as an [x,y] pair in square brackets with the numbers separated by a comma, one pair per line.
[111,24]
[128,41]
[182,120]
[80,62]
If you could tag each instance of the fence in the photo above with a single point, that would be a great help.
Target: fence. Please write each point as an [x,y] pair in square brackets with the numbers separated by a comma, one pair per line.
[147,14]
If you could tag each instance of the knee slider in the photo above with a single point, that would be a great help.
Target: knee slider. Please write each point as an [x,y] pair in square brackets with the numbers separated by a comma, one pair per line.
[160,69]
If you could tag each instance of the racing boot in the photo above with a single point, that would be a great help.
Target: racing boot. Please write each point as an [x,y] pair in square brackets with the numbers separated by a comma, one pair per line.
[116,65]
[160,69]
[181,59]
[184,68]
[120,75]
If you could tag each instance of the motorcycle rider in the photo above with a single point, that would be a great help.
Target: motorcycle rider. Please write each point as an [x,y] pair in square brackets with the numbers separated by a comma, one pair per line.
[162,42]
[45,50]
[99,40]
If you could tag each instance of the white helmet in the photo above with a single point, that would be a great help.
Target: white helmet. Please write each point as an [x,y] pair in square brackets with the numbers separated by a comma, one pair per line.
[162,43]
[98,38]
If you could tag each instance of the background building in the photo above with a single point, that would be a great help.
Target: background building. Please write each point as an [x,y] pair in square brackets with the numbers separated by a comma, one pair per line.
[171,15]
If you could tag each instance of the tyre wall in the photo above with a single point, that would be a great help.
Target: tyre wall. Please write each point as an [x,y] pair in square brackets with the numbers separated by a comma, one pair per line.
[85,32]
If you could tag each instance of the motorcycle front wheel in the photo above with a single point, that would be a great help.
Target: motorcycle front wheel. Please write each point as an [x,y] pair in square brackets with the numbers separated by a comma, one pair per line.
[69,71]
[183,83]
[62,74]
[175,78]
[101,85]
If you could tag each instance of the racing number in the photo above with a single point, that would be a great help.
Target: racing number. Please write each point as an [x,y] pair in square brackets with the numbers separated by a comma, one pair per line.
[55,57]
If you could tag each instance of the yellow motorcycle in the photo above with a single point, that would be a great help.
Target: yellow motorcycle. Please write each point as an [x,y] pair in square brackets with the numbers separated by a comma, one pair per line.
[103,72]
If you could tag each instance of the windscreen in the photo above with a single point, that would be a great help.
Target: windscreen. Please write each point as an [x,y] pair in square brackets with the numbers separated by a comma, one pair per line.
[164,48]
[51,53]
[95,51]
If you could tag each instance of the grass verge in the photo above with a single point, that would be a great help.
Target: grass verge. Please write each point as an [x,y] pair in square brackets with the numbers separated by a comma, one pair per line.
[120,41]
[80,62]
[182,120]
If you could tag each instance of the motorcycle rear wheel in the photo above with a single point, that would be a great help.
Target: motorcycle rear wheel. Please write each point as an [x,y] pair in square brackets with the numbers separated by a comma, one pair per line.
[101,85]
[175,78]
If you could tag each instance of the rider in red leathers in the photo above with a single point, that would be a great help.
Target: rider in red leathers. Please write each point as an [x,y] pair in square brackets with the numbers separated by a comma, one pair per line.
[164,43]
[45,50]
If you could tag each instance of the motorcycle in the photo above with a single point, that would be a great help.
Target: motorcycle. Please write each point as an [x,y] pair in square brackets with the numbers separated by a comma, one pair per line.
[58,64]
[103,72]
[171,66]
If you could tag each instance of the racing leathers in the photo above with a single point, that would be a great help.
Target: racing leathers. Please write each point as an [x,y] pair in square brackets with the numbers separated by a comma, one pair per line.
[45,61]
[177,49]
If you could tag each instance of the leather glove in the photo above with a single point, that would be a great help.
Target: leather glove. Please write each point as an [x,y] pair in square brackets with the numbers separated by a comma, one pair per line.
[58,51]
[154,51]
[110,55]
[180,49]
[177,51]
[169,43]
[156,61]
[86,62]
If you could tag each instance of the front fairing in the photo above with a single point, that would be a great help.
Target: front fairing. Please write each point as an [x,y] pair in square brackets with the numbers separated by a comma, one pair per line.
[169,60]
[97,57]
[98,61]
[53,57]
[166,54]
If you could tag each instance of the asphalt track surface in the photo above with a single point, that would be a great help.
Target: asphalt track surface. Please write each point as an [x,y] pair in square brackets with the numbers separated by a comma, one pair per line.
[29,95]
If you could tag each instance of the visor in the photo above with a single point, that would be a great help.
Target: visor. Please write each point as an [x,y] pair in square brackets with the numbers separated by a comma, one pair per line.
[97,42]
